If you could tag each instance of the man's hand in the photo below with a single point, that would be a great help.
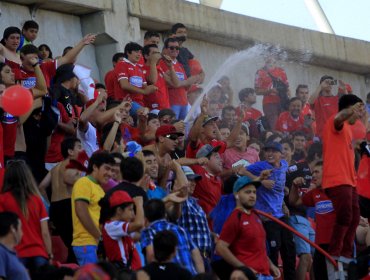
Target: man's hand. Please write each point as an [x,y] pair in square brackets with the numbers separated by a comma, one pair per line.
[180,126]
[204,105]
[150,89]
[89,39]
[154,57]
[268,184]
[275,271]
[102,96]
[33,60]
[202,161]
[358,109]
[264,175]
[177,197]
[299,182]
[167,60]
[117,116]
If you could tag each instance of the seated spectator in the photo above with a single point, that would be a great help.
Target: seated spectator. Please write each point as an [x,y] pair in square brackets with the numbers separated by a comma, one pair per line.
[10,235]
[187,255]
[45,53]
[21,196]
[119,222]
[165,246]
[29,33]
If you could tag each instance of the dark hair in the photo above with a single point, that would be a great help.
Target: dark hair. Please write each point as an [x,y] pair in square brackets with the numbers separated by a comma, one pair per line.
[319,163]
[170,40]
[299,87]
[299,133]
[164,244]
[293,99]
[347,101]
[146,49]
[48,271]
[9,31]
[48,49]
[132,169]
[177,26]
[30,24]
[130,47]
[99,85]
[205,276]
[117,56]
[154,210]
[117,155]
[147,153]
[313,150]
[66,49]
[247,272]
[228,185]
[150,34]
[326,77]
[245,92]
[227,108]
[287,141]
[107,212]
[7,220]
[274,136]
[166,112]
[152,116]
[68,144]
[98,159]
[29,49]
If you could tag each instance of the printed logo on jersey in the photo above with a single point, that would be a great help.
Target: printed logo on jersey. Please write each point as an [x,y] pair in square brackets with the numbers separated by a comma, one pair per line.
[29,83]
[180,75]
[8,118]
[324,207]
[136,81]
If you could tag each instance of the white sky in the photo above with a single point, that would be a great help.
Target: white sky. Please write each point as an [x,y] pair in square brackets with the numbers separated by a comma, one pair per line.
[347,18]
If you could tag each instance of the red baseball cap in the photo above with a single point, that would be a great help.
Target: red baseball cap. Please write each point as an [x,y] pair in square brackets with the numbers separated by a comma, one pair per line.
[118,198]
[167,130]
[81,163]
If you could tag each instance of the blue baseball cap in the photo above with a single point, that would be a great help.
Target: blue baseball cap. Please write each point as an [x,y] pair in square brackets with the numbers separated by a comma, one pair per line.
[189,173]
[274,145]
[243,182]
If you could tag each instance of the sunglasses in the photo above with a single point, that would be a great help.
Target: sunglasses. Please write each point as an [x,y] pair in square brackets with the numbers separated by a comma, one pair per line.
[173,48]
[172,136]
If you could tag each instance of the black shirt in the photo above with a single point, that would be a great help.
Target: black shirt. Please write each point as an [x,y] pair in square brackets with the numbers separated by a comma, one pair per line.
[166,271]
[131,189]
[183,58]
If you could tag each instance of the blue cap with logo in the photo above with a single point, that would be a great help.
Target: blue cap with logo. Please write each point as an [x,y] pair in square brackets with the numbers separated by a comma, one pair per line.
[274,146]
[243,182]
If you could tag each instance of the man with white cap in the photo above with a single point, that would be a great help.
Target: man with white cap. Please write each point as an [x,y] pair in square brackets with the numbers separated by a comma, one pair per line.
[243,239]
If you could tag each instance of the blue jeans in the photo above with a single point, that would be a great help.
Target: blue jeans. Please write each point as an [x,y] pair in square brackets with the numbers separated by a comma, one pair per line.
[180,111]
[86,254]
[33,263]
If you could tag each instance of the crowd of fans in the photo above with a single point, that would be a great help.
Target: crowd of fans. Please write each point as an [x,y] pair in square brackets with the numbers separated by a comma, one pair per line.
[109,183]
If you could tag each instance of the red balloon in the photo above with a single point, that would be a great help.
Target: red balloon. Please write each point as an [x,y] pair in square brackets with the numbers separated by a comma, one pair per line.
[17,100]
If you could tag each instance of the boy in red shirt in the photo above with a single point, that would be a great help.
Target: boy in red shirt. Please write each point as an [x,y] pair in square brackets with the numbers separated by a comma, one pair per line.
[339,176]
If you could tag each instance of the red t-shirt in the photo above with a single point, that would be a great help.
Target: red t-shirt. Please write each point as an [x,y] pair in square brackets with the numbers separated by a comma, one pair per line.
[32,244]
[191,152]
[119,245]
[363,177]
[110,79]
[286,123]
[324,214]
[358,130]
[324,107]
[54,154]
[338,156]
[178,96]
[28,78]
[157,100]
[306,110]
[264,81]
[208,190]
[135,76]
[249,114]
[247,238]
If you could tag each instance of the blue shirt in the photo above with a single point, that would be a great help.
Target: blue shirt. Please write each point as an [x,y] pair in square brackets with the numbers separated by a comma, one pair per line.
[194,221]
[184,247]
[158,193]
[271,201]
[10,266]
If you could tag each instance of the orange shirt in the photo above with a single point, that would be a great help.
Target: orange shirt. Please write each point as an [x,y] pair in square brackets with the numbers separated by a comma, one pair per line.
[338,156]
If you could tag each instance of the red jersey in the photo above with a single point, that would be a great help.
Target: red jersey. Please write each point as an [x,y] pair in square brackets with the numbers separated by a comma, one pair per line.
[157,100]
[32,243]
[2,167]
[263,80]
[9,124]
[12,64]
[54,154]
[110,79]
[134,74]
[191,152]
[306,110]
[118,244]
[286,123]
[247,238]
[324,214]
[178,96]
[324,107]
[208,189]
[358,130]
[28,78]
[338,156]
[249,113]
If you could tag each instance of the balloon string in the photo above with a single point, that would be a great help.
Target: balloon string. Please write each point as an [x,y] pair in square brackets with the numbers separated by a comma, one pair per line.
[318,248]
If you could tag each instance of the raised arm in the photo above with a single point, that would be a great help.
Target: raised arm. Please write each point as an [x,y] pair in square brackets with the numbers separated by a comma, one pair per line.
[138,223]
[345,114]
[71,56]
[40,88]
[86,114]
[194,132]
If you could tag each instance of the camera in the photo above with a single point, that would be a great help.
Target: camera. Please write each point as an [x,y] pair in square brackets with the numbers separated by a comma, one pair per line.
[333,82]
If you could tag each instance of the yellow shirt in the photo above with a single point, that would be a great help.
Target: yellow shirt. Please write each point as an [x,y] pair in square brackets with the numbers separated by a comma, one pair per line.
[88,190]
